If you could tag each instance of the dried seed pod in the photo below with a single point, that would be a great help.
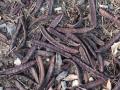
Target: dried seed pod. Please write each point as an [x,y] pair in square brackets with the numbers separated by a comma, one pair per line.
[93,12]
[43,44]
[41,70]
[15,35]
[18,85]
[17,69]
[3,38]
[73,30]
[50,70]
[29,54]
[93,84]
[34,74]
[50,6]
[57,44]
[56,21]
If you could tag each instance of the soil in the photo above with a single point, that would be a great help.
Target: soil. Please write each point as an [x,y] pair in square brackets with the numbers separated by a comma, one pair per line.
[72,8]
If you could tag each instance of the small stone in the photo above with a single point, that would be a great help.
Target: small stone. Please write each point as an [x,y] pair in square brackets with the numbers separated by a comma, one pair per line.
[119,57]
[58,9]
[91,79]
[17,61]
[0,17]
[0,52]
[1,88]
[75,83]
[42,9]
[103,6]
[106,63]
[47,59]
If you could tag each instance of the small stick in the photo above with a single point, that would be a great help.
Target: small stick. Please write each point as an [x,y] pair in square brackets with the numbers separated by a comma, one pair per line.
[50,6]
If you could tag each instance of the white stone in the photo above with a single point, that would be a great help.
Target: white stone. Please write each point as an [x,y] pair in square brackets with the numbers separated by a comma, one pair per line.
[47,59]
[1,88]
[103,6]
[91,79]
[58,9]
[75,83]
[17,61]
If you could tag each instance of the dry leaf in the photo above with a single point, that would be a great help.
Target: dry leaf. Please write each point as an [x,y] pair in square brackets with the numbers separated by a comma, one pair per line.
[71,77]
[61,76]
[10,27]
[64,85]
[114,48]
[58,63]
[80,2]
[108,86]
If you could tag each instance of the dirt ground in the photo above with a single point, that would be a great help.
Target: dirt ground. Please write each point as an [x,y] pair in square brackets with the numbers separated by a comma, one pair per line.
[105,31]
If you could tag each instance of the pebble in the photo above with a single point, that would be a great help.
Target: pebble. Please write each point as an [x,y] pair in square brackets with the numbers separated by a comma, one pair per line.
[75,83]
[17,61]
[58,9]
[91,79]
[1,88]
